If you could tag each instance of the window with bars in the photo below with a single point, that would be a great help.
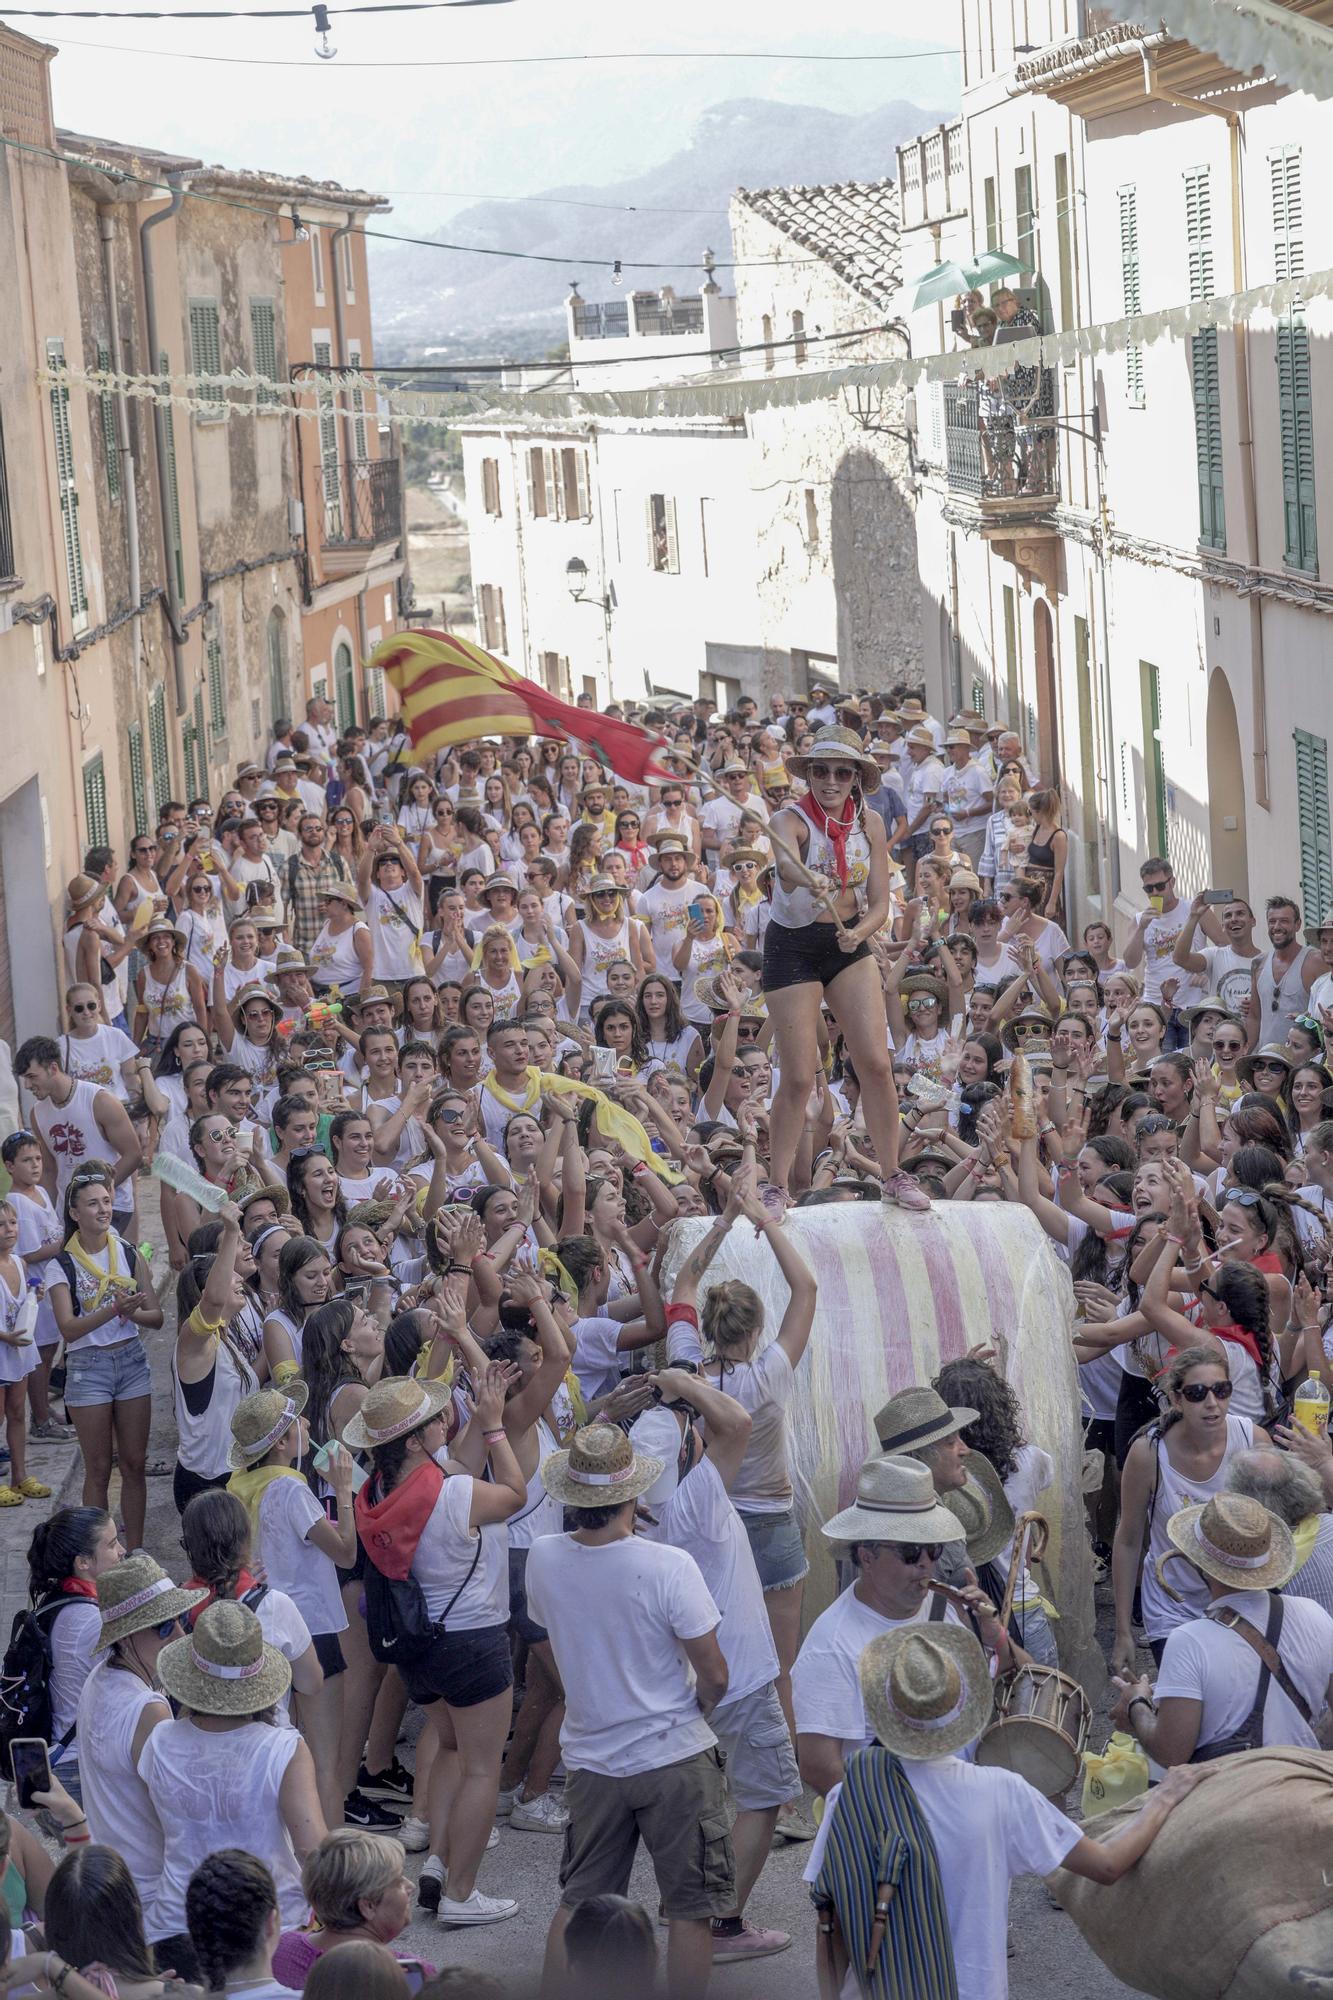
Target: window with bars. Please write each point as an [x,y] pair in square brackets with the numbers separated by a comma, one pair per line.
[206,355]
[6,524]
[67,482]
[1312,815]
[1131,291]
[1204,363]
[94,802]
[217,688]
[264,350]
[159,757]
[138,778]
[1295,402]
[173,488]
[110,443]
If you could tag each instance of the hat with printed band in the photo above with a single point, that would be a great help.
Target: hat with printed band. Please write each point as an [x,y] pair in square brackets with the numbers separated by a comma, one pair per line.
[1233,1540]
[224,1666]
[926,1689]
[895,1501]
[392,1409]
[136,1595]
[600,1469]
[262,1417]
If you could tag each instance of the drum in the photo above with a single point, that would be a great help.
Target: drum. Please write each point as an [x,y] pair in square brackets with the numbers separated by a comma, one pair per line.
[1040,1728]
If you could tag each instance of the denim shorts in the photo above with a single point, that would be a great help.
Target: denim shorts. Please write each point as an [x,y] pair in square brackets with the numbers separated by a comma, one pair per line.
[777,1548]
[100,1375]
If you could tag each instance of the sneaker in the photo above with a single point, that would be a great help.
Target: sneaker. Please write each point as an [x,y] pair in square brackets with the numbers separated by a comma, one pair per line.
[391,1783]
[358,1810]
[52,1431]
[10,1496]
[414,1835]
[905,1191]
[542,1815]
[33,1489]
[746,1942]
[430,1886]
[504,1804]
[794,1822]
[477,1909]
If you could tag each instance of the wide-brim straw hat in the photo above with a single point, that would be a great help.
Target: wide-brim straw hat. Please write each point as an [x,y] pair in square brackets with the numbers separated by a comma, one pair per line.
[1211,1003]
[924,982]
[667,843]
[1270,1052]
[983,1507]
[840,746]
[392,1409]
[755,854]
[957,738]
[262,1417]
[921,736]
[137,1594]
[255,989]
[288,959]
[343,892]
[224,1666]
[606,885]
[895,1502]
[917,1417]
[600,1469]
[1235,1541]
[279,1196]
[927,1689]
[498,881]
[82,891]
[1037,1014]
[163,927]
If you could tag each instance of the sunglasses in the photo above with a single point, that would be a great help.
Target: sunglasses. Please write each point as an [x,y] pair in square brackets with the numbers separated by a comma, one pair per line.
[912,1552]
[842,774]
[1271,1068]
[1242,1197]
[1156,888]
[215,1137]
[169,1629]
[85,1007]
[1199,1392]
[1227,1048]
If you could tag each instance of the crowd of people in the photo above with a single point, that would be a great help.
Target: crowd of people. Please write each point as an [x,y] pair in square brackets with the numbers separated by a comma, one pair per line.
[430,1058]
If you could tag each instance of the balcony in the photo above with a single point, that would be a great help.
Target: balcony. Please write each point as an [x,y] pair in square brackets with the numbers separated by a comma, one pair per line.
[363,507]
[601,322]
[661,313]
[932,177]
[1004,466]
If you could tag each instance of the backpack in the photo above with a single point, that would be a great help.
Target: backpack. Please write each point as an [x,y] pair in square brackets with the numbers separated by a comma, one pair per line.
[398,1625]
[25,1679]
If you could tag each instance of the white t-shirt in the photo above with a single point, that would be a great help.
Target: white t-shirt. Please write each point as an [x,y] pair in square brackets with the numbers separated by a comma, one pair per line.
[97,1059]
[1160,939]
[1228,976]
[597,1355]
[763,1388]
[988,1826]
[825,1681]
[444,1556]
[616,1613]
[700,1519]
[963,795]
[283,1627]
[288,1510]
[666,912]
[395,919]
[1204,1661]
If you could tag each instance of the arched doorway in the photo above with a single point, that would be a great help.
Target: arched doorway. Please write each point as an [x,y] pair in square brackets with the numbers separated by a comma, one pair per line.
[1048,713]
[1227,842]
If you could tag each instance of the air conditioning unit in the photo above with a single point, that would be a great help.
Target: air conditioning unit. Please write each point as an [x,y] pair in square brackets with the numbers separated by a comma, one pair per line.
[296,520]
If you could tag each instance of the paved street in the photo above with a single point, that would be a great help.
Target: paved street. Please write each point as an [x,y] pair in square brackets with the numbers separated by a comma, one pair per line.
[1050,1960]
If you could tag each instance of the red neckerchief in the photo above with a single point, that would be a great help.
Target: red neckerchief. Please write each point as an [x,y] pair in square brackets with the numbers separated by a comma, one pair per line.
[835,831]
[1240,1338]
[391,1524]
[244,1582]
[78,1586]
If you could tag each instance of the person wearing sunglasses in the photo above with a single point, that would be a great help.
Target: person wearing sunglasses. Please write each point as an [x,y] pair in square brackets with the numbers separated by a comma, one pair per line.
[816,953]
[1281,978]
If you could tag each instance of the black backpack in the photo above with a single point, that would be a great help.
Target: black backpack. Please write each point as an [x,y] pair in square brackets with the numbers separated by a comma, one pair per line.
[25,1679]
[398,1625]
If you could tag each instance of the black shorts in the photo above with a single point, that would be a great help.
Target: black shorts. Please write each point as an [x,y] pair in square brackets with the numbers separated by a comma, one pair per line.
[811,956]
[462,1668]
[521,1622]
[186,1484]
[329,1653]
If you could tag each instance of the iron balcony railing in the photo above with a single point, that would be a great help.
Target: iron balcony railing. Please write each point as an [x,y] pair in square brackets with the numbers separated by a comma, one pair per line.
[601,322]
[363,502]
[996,448]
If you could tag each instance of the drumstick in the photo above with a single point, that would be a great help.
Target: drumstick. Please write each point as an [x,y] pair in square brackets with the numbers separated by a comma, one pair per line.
[1037,1527]
[784,848]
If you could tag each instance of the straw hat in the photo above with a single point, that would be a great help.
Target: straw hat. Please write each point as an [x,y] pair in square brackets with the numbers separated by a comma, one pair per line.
[917,1417]
[755,854]
[895,1502]
[260,1419]
[600,1469]
[372,997]
[606,885]
[344,892]
[957,739]
[224,1666]
[733,768]
[922,736]
[1270,1052]
[842,746]
[255,989]
[137,1594]
[1210,1004]
[963,878]
[1036,1014]
[82,891]
[982,1505]
[878,748]
[392,1409]
[1235,1541]
[926,1689]
[912,709]
[163,927]
[593,785]
[925,982]
[668,843]
[288,959]
[498,881]
[267,920]
[279,1196]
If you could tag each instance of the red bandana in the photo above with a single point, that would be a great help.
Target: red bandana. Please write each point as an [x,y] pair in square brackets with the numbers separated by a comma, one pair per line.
[244,1582]
[835,830]
[78,1586]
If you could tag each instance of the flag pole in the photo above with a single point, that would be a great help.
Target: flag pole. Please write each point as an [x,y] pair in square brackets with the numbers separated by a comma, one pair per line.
[784,848]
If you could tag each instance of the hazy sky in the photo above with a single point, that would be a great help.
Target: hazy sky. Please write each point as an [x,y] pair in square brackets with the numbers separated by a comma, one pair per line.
[436,137]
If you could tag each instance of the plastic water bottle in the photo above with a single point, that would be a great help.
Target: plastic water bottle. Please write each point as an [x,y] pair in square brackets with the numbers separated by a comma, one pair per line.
[145,1250]
[1311,1406]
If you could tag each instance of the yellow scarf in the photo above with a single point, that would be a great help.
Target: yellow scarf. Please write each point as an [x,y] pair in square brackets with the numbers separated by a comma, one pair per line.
[250,1486]
[113,1279]
[1303,1535]
[615,1122]
[475,961]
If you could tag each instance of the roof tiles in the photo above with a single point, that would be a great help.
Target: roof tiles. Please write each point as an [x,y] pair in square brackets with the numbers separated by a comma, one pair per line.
[852,226]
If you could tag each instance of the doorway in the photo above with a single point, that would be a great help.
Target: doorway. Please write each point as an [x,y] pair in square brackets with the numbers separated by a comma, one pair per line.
[1226,791]
[1048,714]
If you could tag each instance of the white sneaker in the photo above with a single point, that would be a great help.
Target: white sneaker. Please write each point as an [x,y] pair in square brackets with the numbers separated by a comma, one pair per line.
[542,1815]
[504,1804]
[478,1909]
[414,1835]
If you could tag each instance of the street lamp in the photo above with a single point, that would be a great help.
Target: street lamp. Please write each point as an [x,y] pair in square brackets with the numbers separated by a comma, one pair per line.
[576,574]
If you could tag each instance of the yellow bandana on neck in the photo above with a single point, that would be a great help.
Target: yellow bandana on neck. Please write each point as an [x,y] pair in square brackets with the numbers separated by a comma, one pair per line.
[616,1123]
[114,1278]
[1304,1535]
[250,1484]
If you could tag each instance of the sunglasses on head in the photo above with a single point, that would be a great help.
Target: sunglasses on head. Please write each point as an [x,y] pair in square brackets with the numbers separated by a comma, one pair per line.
[912,1552]
[1199,1392]
[1242,1197]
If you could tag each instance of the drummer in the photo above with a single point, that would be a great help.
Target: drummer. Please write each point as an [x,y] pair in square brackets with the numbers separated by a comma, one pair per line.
[893,1535]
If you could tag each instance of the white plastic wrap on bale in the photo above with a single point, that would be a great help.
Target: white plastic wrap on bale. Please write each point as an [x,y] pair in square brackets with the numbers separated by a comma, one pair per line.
[898,1296]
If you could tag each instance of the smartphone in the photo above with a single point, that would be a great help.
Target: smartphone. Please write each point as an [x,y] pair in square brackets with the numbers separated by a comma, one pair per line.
[695,912]
[604,1064]
[958,320]
[329,1086]
[1216,897]
[31,1768]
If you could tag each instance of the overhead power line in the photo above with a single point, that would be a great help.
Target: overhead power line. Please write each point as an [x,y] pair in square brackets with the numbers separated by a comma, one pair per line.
[451,62]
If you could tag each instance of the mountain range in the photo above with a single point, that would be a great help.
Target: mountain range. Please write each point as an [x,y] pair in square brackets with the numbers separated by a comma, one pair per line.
[453,299]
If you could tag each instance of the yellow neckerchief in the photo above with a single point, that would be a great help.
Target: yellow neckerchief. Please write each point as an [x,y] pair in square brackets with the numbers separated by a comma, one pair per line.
[284,1372]
[514,963]
[1303,1536]
[115,1278]
[744,898]
[531,1093]
[616,1123]
[250,1485]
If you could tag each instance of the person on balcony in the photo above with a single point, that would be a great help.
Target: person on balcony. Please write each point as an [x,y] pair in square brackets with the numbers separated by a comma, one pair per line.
[1030,394]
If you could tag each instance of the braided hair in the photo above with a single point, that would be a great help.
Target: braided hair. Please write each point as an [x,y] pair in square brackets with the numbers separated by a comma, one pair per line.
[228,1902]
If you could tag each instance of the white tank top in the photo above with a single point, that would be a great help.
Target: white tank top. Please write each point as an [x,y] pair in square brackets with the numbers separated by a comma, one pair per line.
[203,1442]
[1160,1614]
[796,908]
[219,1788]
[540,1514]
[115,1797]
[333,959]
[72,1136]
[1280,1001]
[598,954]
[166,1006]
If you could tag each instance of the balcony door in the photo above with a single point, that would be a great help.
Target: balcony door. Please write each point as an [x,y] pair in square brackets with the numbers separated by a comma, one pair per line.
[1048,713]
[344,685]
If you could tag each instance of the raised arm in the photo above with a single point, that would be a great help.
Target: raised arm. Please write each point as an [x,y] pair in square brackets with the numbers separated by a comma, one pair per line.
[798,1319]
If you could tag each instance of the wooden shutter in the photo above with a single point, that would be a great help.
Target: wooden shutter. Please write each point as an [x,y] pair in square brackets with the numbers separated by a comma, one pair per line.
[217,689]
[206,356]
[68,485]
[344,685]
[110,444]
[328,444]
[502,637]
[158,754]
[357,402]
[532,466]
[376,705]
[673,545]
[1312,812]
[1131,291]
[94,802]
[1292,354]
[277,664]
[138,778]
[1204,367]
[651,522]
[551,482]
[583,486]
[264,348]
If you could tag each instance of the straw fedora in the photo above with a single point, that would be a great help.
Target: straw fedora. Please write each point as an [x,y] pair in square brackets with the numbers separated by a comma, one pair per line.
[343,892]
[1211,1003]
[224,1667]
[261,1418]
[917,1417]
[924,738]
[288,959]
[755,854]
[392,1409]
[1270,1052]
[163,927]
[606,885]
[895,1502]
[137,1594]
[600,1469]
[372,997]
[1234,1541]
[82,890]
[912,709]
[842,745]
[957,738]
[282,1201]
[254,989]
[668,843]
[926,1690]
[498,881]
[982,1505]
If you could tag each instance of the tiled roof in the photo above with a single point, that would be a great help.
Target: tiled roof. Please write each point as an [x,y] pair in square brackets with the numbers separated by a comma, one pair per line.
[852,227]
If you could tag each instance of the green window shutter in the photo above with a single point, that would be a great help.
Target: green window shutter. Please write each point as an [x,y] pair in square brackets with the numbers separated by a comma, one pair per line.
[94,802]
[67,481]
[217,690]
[344,685]
[1292,353]
[1131,292]
[138,779]
[1204,366]
[264,348]
[328,445]
[158,754]
[206,355]
[109,440]
[196,754]
[6,522]
[175,544]
[277,664]
[1025,220]
[1154,764]
[1011,656]
[1312,812]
